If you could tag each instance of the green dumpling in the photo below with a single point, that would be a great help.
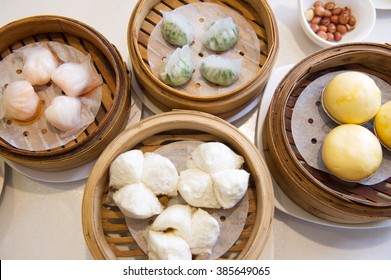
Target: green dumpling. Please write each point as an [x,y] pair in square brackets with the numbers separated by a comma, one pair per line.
[176,29]
[221,35]
[178,68]
[221,71]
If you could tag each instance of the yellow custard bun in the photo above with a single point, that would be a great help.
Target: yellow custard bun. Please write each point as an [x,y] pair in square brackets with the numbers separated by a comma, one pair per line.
[382,125]
[351,152]
[351,97]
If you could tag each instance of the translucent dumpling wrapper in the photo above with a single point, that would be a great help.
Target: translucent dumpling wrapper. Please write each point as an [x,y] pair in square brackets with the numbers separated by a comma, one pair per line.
[39,62]
[212,157]
[230,186]
[160,174]
[178,67]
[64,113]
[76,79]
[176,29]
[221,34]
[137,201]
[221,71]
[19,101]
[126,169]
[196,188]
[167,246]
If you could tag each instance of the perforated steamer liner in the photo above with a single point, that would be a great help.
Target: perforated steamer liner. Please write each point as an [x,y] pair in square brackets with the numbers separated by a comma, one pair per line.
[146,15]
[112,115]
[104,227]
[315,191]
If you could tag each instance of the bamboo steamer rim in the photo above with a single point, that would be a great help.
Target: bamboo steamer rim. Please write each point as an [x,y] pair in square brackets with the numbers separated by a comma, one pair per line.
[139,13]
[179,119]
[47,24]
[304,189]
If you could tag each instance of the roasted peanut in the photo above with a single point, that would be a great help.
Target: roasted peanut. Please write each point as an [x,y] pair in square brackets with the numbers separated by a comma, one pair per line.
[337,36]
[342,29]
[322,34]
[314,27]
[329,5]
[352,21]
[329,21]
[330,36]
[331,28]
[336,11]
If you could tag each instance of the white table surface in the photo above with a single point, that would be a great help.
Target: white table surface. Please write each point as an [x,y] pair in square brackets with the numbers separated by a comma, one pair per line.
[40,220]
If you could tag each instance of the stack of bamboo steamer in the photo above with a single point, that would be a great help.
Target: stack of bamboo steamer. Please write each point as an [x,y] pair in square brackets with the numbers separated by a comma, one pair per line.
[104,226]
[313,190]
[114,110]
[146,16]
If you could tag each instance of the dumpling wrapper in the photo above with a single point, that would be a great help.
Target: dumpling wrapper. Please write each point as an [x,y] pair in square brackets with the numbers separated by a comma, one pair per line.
[230,186]
[137,201]
[196,188]
[38,64]
[204,234]
[177,219]
[176,29]
[221,34]
[221,71]
[126,169]
[178,67]
[64,113]
[19,101]
[212,157]
[76,79]
[160,174]
[167,246]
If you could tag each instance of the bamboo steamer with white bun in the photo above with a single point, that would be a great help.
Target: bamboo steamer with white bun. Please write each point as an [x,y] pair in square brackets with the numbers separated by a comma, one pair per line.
[101,222]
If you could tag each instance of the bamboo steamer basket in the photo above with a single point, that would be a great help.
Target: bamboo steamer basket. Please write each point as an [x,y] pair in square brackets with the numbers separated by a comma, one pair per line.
[313,190]
[146,16]
[104,227]
[112,115]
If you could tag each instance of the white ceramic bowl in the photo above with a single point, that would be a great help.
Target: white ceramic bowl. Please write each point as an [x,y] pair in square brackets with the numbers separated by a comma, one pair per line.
[363,10]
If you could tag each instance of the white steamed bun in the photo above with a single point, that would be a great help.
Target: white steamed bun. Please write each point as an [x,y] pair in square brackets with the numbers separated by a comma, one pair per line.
[196,188]
[127,168]
[212,157]
[137,201]
[160,174]
[167,246]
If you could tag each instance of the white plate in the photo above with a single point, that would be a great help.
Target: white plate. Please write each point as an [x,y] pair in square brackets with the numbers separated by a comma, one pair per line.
[2,174]
[282,202]
[382,4]
[78,173]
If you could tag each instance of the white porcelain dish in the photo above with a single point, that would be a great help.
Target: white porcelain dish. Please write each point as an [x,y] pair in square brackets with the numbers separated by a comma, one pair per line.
[363,10]
[281,201]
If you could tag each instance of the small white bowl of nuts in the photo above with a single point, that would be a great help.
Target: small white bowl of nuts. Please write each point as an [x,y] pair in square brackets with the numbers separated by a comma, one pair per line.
[328,23]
